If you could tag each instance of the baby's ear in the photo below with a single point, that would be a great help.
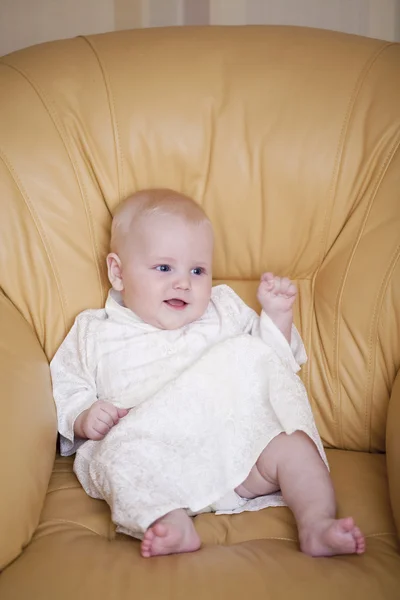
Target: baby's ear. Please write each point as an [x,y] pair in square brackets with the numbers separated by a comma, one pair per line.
[114,271]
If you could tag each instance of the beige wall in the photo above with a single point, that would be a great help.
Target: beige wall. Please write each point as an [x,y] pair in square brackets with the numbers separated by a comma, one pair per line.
[27,22]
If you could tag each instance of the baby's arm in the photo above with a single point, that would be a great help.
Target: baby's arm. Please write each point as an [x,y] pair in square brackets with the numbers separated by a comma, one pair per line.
[237,317]
[79,412]
[277,296]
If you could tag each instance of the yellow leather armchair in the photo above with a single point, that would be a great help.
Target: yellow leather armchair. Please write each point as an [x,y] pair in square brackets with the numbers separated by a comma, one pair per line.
[289,139]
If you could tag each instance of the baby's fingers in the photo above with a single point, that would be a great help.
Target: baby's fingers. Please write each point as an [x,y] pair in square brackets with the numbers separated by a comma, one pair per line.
[122,412]
[268,278]
[107,418]
[100,429]
[96,430]
[292,290]
[109,413]
[286,287]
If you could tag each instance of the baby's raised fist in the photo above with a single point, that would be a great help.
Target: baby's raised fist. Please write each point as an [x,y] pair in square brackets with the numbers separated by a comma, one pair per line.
[276,294]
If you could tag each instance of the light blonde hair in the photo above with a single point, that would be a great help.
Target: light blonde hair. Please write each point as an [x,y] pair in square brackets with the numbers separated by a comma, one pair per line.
[146,203]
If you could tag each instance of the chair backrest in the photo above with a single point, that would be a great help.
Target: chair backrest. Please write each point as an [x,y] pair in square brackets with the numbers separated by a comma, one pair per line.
[288,137]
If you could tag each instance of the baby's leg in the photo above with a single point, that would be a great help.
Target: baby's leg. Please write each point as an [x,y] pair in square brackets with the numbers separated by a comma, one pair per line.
[256,484]
[293,464]
[174,533]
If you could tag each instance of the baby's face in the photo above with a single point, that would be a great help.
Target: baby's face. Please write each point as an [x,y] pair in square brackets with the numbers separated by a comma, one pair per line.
[167,271]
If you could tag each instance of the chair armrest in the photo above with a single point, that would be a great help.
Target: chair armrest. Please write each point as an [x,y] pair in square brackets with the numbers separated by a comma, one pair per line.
[28,431]
[393,450]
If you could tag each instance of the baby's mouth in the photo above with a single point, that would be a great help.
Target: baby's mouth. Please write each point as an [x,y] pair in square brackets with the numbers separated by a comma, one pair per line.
[176,303]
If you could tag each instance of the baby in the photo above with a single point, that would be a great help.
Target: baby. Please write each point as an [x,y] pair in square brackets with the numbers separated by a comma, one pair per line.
[162,316]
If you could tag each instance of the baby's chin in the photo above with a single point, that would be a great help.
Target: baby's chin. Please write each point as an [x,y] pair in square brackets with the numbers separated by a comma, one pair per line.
[174,323]
[171,319]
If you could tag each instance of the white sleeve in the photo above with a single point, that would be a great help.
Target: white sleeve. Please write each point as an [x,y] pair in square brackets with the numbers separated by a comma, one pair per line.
[74,386]
[233,310]
[293,354]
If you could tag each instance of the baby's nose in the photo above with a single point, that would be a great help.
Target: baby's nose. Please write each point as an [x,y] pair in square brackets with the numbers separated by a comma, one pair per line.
[183,283]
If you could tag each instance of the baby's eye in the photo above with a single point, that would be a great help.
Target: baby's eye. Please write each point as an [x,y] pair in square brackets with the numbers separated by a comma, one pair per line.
[163,268]
[198,271]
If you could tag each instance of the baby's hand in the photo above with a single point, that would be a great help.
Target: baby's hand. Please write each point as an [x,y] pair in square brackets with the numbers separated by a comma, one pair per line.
[95,422]
[276,295]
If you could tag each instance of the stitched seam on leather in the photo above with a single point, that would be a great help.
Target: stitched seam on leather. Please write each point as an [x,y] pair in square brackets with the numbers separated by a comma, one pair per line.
[111,106]
[324,234]
[382,534]
[336,397]
[47,104]
[209,159]
[343,135]
[373,342]
[40,231]
[282,539]
[70,522]
[307,369]
[67,487]
[339,298]
[371,367]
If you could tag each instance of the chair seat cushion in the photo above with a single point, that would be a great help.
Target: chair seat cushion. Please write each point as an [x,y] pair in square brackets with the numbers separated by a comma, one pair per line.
[76,553]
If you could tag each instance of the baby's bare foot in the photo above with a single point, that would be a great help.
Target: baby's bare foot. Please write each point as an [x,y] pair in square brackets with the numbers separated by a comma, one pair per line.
[332,536]
[174,533]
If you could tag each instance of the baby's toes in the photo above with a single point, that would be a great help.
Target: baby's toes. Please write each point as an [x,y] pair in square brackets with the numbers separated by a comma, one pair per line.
[148,536]
[359,540]
[145,550]
[147,542]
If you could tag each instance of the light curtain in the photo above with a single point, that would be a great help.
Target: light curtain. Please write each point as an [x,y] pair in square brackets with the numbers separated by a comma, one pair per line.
[375,18]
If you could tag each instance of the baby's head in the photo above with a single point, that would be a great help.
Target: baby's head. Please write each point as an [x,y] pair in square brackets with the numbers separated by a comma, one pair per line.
[161,257]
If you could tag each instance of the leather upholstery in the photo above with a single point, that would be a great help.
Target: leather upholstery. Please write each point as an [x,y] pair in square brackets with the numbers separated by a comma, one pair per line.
[393,450]
[288,137]
[28,432]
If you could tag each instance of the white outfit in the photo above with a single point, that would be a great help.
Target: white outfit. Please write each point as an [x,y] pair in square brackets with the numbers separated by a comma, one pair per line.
[205,400]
